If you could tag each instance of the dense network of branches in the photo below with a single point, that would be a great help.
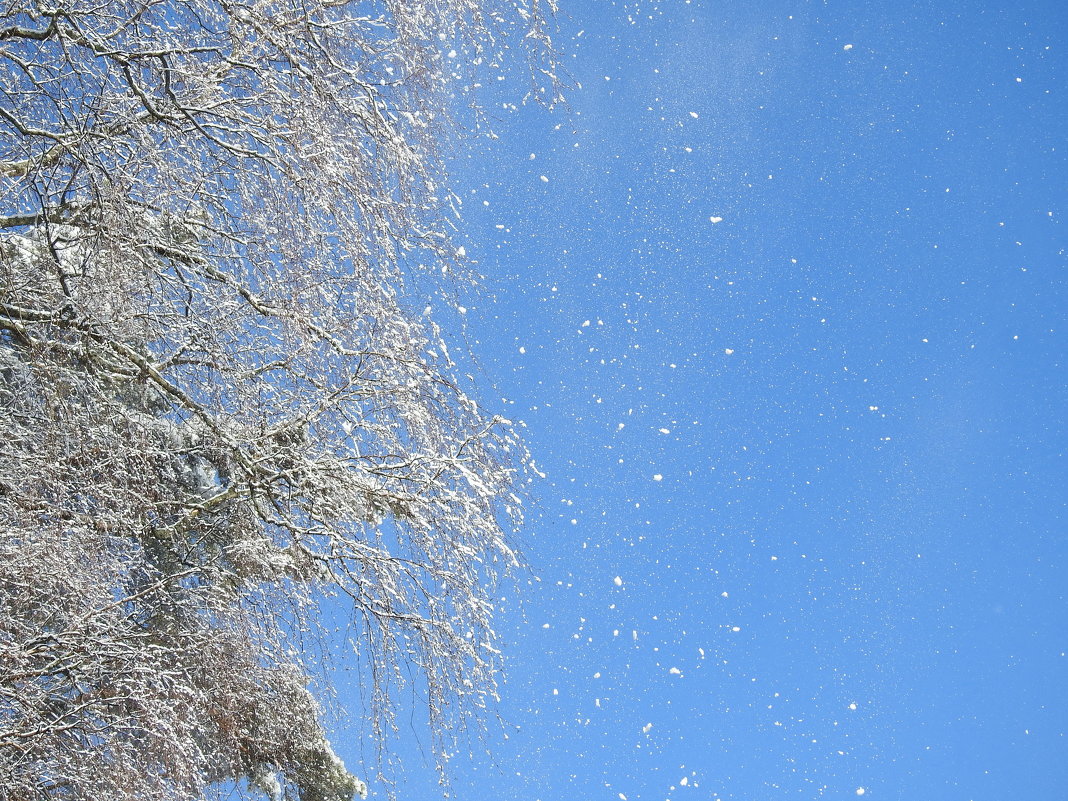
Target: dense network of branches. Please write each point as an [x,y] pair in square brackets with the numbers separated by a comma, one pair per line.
[219,405]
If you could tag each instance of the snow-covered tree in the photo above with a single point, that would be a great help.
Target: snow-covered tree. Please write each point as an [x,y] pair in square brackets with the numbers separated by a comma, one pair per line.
[220,405]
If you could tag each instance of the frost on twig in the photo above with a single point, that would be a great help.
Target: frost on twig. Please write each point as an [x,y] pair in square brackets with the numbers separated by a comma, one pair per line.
[218,407]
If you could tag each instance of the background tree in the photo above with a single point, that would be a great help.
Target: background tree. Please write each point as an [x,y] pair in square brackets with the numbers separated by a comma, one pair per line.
[218,402]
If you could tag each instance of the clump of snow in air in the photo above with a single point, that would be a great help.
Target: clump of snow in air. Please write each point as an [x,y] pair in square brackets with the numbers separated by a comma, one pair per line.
[728,351]
[622,797]
[665,430]
[675,671]
[693,114]
[647,728]
[618,581]
[860,791]
[715,219]
[658,477]
[544,179]
[684,781]
[736,628]
[848,47]
[853,705]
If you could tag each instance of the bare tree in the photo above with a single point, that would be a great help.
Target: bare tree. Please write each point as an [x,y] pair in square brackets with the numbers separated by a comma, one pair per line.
[219,404]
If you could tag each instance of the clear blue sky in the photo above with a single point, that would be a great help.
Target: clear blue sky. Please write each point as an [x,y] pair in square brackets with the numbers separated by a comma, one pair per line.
[785,322]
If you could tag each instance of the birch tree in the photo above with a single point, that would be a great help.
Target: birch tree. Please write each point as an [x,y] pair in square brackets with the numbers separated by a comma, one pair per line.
[220,403]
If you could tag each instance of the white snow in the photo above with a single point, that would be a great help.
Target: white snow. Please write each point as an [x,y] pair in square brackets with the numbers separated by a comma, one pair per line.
[715,219]
[618,581]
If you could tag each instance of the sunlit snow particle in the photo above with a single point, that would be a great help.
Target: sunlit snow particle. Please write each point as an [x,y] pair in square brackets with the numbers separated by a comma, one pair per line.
[848,47]
[728,351]
[693,114]
[716,219]
[555,691]
[646,728]
[618,581]
[684,781]
[860,791]
[522,349]
[665,430]
[544,179]
[736,628]
[658,477]
[622,797]
[853,706]
[675,671]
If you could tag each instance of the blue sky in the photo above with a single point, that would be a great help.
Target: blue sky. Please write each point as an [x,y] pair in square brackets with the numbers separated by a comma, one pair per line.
[780,301]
